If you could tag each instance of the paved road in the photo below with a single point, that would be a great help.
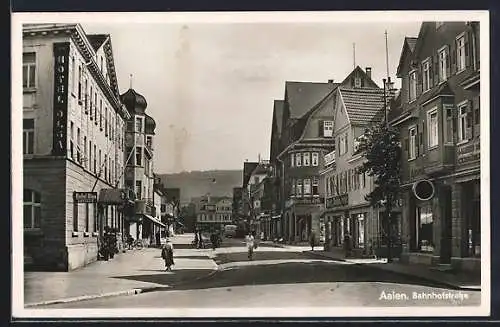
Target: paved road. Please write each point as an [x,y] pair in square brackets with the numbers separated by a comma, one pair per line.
[286,278]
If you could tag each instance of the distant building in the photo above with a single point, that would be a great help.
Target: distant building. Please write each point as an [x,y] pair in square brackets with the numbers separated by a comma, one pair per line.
[212,213]
[73,145]
[237,205]
[139,176]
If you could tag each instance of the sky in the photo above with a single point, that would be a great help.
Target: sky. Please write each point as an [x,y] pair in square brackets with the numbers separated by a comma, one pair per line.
[210,86]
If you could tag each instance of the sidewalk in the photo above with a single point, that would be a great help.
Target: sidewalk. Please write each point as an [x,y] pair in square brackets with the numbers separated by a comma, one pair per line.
[128,273]
[455,280]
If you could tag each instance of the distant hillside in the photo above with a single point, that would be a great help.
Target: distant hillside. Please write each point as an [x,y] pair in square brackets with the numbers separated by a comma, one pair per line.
[199,183]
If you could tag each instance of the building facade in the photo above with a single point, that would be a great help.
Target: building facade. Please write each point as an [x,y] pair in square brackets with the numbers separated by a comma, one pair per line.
[73,144]
[212,213]
[439,123]
[139,175]
[346,211]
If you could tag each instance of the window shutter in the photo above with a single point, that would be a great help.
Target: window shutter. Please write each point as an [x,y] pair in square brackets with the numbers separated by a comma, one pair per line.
[417,141]
[431,72]
[406,147]
[466,49]
[436,69]
[453,57]
[320,128]
[420,80]
[448,64]
[346,142]
[421,139]
[469,128]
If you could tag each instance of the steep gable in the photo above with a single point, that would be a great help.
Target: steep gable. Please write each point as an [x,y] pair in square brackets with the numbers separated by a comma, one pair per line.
[278,115]
[408,47]
[301,97]
[324,111]
[361,105]
[104,53]
[365,80]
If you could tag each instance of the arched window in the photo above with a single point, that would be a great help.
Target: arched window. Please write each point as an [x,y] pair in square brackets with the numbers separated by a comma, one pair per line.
[32,209]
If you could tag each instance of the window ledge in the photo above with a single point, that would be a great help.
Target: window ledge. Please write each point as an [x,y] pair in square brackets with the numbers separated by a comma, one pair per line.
[86,234]
[434,147]
[74,234]
[427,90]
[460,71]
[412,159]
[95,234]
[462,142]
[411,101]
[29,90]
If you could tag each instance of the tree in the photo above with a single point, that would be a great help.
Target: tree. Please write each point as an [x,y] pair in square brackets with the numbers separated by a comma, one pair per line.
[382,149]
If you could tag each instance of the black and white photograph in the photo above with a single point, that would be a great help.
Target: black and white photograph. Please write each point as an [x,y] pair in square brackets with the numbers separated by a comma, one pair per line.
[250,164]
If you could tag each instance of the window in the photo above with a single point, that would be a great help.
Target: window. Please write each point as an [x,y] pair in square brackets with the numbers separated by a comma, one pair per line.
[138,156]
[95,107]
[73,74]
[102,65]
[443,54]
[149,142]
[105,167]
[90,156]
[328,128]
[87,218]
[32,211]
[138,189]
[307,160]
[293,187]
[307,186]
[95,159]
[72,137]
[315,159]
[360,229]
[315,186]
[412,147]
[29,70]
[138,124]
[424,229]
[413,85]
[100,163]
[299,188]
[357,82]
[78,146]
[292,161]
[343,144]
[462,122]
[86,96]
[298,159]
[426,75]
[79,82]
[28,136]
[432,128]
[362,180]
[106,121]
[448,123]
[100,114]
[461,53]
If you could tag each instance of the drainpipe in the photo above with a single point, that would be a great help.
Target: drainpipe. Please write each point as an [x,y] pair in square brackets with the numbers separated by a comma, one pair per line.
[282,192]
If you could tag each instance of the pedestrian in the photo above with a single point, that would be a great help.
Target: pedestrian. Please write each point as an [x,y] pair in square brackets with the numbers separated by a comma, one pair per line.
[312,240]
[200,240]
[167,253]
[250,242]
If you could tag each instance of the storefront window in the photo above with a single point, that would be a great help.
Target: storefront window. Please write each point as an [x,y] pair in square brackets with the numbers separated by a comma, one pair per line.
[361,229]
[425,230]
[472,212]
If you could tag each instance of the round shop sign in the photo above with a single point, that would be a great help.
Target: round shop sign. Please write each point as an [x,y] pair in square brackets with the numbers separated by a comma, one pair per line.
[423,190]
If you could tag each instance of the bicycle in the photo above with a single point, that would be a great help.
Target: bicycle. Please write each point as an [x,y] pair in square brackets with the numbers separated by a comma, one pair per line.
[138,245]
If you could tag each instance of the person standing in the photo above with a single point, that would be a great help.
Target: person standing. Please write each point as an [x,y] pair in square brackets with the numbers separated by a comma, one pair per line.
[167,253]
[312,240]
[250,242]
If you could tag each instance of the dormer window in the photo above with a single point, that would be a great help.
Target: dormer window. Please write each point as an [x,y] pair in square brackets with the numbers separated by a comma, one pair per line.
[426,74]
[357,82]
[443,63]
[328,128]
[413,86]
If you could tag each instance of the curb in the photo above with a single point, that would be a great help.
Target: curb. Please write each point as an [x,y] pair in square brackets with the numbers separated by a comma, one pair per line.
[133,291]
[380,267]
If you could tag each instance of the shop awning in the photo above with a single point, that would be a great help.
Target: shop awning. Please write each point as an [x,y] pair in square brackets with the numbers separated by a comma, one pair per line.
[154,220]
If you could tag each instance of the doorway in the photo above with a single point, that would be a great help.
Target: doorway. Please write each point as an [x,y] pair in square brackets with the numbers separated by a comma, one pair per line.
[445,253]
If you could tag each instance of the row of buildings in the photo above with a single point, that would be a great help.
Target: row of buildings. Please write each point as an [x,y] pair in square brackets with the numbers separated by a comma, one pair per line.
[212,212]
[88,151]
[312,182]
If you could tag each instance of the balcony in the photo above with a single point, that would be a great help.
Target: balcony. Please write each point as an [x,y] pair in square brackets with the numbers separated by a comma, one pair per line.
[329,158]
[468,153]
[337,201]
[145,207]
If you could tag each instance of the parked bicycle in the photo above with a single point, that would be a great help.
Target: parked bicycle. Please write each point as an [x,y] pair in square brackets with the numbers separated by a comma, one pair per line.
[138,245]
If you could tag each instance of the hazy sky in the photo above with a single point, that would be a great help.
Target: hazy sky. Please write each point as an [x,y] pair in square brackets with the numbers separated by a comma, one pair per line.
[210,87]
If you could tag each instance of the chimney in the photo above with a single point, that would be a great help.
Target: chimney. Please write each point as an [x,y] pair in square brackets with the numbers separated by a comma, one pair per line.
[368,71]
[330,81]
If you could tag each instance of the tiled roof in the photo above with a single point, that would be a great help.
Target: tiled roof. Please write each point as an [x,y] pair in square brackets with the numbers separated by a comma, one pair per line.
[248,167]
[278,114]
[412,41]
[303,96]
[97,40]
[362,105]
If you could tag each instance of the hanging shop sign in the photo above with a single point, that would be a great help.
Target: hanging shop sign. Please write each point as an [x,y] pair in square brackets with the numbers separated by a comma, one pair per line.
[85,197]
[423,190]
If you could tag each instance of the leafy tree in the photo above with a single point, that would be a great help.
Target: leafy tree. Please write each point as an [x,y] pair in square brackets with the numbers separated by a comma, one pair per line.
[382,149]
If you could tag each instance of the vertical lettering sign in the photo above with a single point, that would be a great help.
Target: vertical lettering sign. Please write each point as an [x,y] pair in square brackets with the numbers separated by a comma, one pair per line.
[61,55]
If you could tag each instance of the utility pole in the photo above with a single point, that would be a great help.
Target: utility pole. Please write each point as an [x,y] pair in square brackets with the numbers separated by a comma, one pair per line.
[386,55]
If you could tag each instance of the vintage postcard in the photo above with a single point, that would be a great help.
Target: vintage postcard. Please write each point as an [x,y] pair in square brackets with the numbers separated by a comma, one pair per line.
[263,164]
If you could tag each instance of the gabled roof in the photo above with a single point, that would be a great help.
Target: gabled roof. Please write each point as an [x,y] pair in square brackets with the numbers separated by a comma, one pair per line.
[362,105]
[358,71]
[248,167]
[303,96]
[409,44]
[96,40]
[278,114]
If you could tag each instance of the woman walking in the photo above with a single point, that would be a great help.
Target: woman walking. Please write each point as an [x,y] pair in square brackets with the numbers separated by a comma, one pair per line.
[167,253]
[250,242]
